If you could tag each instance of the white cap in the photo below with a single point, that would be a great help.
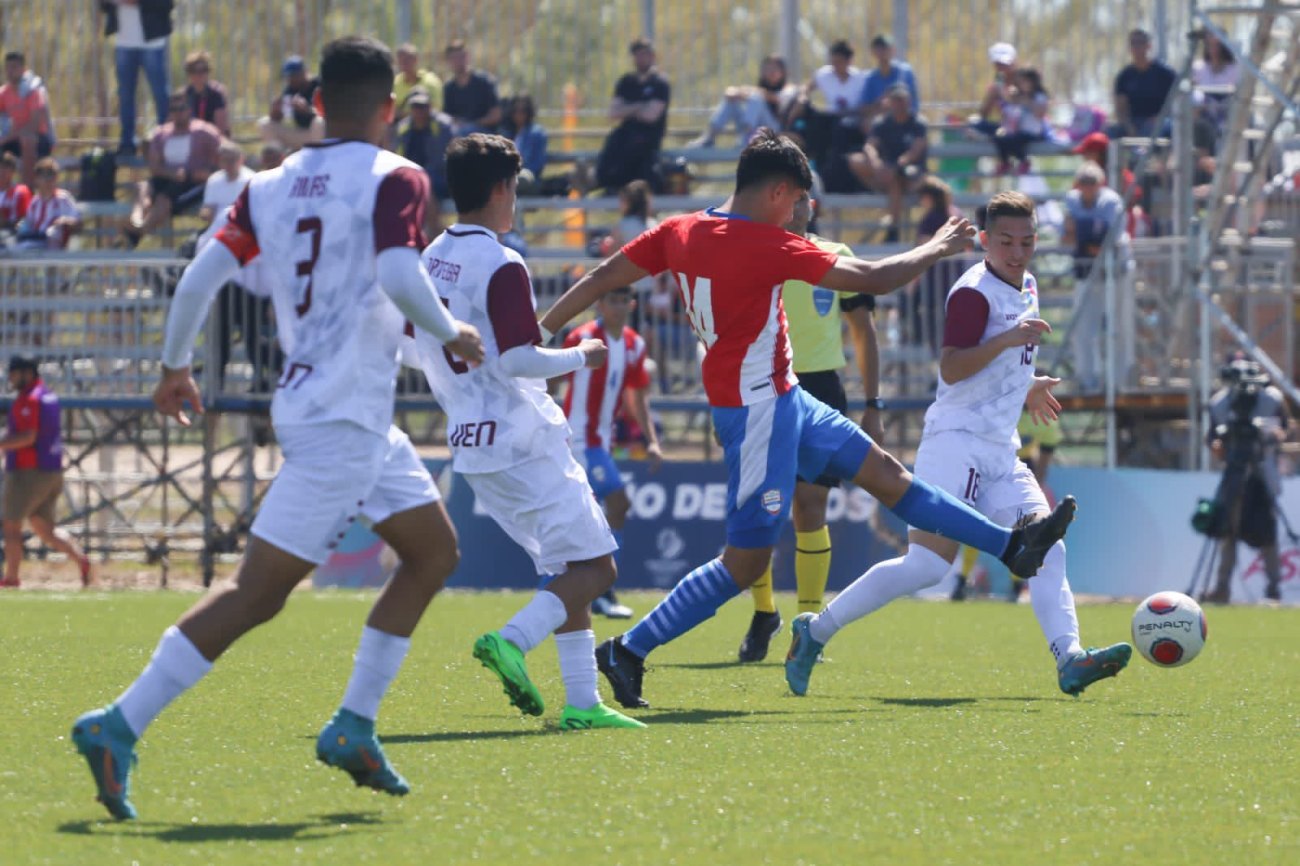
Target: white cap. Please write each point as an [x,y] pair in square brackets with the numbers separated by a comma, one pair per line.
[1002,52]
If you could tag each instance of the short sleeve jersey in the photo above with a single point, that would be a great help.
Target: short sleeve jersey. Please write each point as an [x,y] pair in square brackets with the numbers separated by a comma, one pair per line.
[729,272]
[988,404]
[633,88]
[494,420]
[319,223]
[595,395]
[14,202]
[36,409]
[813,316]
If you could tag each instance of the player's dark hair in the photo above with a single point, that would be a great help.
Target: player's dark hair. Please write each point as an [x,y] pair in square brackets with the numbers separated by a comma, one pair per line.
[770,156]
[476,164]
[842,48]
[356,76]
[8,160]
[16,56]
[1009,204]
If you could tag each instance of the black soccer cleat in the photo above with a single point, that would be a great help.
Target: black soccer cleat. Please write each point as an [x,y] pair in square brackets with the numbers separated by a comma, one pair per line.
[761,630]
[624,670]
[1030,543]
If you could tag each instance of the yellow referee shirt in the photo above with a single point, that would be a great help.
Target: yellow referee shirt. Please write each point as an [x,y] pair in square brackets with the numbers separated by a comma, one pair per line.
[813,316]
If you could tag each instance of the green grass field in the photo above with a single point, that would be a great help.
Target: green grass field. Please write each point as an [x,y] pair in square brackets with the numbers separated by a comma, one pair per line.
[934,734]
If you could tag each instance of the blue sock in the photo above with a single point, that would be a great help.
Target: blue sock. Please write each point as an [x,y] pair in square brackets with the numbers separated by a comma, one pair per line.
[930,509]
[696,598]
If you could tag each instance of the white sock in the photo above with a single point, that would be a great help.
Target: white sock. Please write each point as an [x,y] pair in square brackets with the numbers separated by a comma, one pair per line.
[379,657]
[1053,602]
[883,582]
[175,667]
[543,614]
[577,651]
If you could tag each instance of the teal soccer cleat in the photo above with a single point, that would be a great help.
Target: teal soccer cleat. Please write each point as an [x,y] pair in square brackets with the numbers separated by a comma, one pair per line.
[1091,665]
[349,743]
[106,742]
[803,654]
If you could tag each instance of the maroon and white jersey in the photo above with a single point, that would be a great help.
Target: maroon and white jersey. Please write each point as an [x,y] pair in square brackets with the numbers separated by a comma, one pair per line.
[987,405]
[494,420]
[42,212]
[595,395]
[730,271]
[318,224]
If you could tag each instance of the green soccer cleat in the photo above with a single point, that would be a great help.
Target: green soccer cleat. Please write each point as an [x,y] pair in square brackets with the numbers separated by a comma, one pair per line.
[348,742]
[1091,665]
[803,654]
[507,661]
[108,745]
[599,716]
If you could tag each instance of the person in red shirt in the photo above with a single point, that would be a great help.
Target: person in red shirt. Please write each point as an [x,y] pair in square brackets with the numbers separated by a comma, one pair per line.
[14,197]
[33,480]
[24,100]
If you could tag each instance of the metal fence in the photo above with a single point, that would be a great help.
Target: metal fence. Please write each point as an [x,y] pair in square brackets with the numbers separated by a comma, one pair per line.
[546,47]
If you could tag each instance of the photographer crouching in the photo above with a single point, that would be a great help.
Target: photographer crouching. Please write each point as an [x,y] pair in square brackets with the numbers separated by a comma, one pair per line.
[1249,420]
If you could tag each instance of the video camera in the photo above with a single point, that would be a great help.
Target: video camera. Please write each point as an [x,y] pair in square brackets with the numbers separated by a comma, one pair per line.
[1243,444]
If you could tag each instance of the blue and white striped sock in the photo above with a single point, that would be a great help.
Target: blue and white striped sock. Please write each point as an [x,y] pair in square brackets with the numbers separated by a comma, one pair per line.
[696,598]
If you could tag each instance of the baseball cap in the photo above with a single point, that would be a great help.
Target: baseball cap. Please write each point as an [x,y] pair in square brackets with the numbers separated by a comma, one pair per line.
[1093,141]
[22,362]
[899,89]
[882,40]
[293,63]
[1002,52]
[418,97]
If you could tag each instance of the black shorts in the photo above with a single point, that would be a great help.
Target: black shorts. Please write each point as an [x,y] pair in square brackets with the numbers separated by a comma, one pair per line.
[826,386]
[183,194]
[44,146]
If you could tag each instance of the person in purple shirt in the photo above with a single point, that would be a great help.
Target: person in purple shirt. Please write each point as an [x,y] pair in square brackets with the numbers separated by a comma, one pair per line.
[33,476]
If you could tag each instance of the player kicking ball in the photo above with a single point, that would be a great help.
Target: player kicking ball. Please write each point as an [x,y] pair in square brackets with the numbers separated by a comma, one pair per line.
[730,264]
[509,439]
[339,225]
[968,449]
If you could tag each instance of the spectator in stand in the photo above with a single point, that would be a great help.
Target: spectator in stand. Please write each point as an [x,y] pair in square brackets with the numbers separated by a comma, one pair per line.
[1091,208]
[142,28]
[834,132]
[15,198]
[1024,121]
[470,96]
[1215,78]
[423,138]
[927,298]
[24,101]
[1094,148]
[53,217]
[270,156]
[33,447]
[893,159]
[411,77]
[1000,92]
[222,188]
[640,105]
[292,120]
[207,98]
[182,156]
[521,127]
[1140,89]
[748,108]
[887,73]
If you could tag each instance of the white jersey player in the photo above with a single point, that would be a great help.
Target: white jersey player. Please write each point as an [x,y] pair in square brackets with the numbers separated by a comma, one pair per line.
[339,227]
[968,448]
[510,440]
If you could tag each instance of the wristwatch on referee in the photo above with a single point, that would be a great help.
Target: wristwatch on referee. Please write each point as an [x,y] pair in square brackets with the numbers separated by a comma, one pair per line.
[875,403]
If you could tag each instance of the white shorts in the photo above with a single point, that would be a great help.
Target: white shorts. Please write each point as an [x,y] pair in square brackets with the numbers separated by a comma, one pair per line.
[990,478]
[332,474]
[546,506]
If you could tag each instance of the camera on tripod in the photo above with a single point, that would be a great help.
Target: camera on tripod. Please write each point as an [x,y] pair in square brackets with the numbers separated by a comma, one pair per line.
[1243,444]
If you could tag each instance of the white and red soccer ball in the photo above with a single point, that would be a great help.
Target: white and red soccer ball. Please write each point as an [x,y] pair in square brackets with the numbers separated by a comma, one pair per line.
[1169,629]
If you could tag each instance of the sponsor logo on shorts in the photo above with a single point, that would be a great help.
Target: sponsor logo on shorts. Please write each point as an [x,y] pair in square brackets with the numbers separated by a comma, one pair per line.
[772,501]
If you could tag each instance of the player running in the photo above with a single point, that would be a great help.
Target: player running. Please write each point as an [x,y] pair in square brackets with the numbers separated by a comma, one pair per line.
[812,314]
[593,398]
[509,439]
[339,226]
[968,449]
[729,264]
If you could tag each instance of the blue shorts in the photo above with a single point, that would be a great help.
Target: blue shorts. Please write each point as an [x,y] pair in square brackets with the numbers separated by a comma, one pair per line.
[768,446]
[602,474]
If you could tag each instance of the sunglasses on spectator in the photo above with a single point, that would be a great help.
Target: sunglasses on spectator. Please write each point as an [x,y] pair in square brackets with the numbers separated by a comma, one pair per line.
[196,70]
[178,107]
[44,172]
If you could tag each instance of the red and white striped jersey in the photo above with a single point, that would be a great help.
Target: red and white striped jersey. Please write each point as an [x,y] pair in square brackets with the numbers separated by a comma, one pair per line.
[14,203]
[730,271]
[595,395]
[42,213]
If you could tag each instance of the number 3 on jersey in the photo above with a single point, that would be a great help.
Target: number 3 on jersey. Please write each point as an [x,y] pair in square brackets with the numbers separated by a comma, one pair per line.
[312,226]
[699,307]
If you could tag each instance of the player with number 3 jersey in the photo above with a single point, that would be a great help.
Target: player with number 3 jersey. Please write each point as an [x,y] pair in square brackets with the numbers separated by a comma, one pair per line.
[730,264]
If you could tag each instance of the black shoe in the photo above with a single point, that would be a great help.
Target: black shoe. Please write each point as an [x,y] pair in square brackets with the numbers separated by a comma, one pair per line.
[1273,592]
[624,670]
[959,591]
[1030,543]
[761,630]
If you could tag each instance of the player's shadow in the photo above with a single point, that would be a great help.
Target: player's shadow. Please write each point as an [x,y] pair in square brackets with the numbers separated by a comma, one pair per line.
[933,703]
[706,666]
[701,717]
[317,827]
[462,736]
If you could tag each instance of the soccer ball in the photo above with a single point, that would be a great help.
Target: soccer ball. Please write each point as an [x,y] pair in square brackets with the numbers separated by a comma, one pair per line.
[1168,629]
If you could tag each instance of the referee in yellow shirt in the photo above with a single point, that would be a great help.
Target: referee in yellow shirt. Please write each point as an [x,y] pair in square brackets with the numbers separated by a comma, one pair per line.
[813,316]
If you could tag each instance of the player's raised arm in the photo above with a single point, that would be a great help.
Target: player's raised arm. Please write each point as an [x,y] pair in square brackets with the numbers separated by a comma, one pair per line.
[885,275]
[617,270]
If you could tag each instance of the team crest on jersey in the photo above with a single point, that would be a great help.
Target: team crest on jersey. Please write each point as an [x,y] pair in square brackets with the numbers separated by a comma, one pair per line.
[772,501]
[823,299]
